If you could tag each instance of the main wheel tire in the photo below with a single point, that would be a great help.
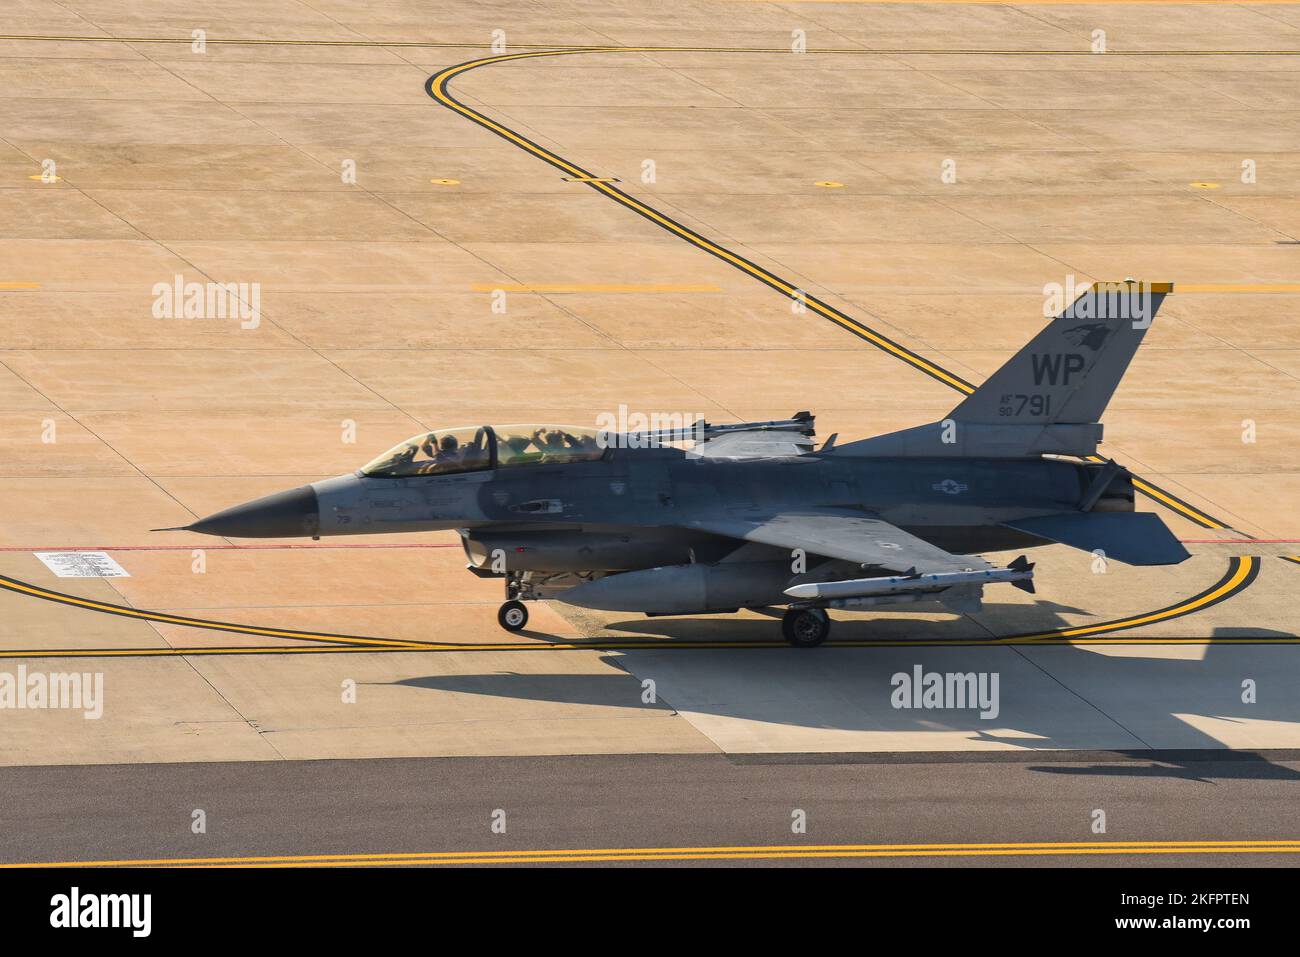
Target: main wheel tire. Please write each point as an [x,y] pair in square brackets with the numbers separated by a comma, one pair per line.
[513,616]
[806,627]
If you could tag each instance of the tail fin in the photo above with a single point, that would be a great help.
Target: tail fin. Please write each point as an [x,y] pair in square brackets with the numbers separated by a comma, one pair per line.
[1049,396]
[1069,371]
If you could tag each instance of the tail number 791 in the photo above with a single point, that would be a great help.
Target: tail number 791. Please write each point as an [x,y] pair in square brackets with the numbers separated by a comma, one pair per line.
[1035,405]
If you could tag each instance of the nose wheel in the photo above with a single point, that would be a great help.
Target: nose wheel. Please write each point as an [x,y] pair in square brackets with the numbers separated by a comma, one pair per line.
[512,616]
[806,627]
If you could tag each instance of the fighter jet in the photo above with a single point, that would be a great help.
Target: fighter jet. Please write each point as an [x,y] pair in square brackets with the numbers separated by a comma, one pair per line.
[714,518]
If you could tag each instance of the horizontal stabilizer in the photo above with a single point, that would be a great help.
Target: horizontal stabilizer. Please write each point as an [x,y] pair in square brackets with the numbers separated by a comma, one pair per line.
[1135,538]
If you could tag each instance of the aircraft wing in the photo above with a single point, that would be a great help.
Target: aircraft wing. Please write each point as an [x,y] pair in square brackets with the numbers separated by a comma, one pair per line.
[846,535]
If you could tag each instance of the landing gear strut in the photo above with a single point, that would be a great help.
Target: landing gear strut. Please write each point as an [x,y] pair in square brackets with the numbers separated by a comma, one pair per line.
[806,627]
[534,586]
[513,615]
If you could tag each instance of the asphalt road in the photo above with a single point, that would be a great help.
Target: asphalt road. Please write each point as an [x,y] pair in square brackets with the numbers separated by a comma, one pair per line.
[859,809]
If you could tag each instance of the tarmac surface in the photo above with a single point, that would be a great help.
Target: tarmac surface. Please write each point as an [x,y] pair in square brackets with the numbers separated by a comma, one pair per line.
[666,808]
[647,192]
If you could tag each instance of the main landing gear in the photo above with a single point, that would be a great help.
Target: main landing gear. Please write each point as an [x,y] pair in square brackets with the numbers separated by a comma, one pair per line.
[806,627]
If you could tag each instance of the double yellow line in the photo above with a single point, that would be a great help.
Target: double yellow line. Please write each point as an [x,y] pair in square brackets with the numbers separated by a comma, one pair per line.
[1241,572]
[436,87]
[125,611]
[750,852]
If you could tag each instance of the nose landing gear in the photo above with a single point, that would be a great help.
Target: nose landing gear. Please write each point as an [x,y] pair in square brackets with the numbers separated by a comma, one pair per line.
[513,616]
[520,587]
[525,586]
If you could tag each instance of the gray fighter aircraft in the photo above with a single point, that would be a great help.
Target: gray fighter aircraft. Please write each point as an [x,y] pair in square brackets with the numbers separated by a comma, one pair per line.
[756,515]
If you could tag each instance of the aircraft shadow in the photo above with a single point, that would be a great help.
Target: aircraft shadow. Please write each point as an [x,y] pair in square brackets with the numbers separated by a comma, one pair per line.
[823,689]
[605,690]
[1202,766]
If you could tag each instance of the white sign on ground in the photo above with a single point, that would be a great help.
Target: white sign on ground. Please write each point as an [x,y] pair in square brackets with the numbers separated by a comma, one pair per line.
[82,565]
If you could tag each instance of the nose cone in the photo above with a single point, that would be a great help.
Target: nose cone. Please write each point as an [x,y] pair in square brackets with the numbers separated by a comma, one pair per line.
[283,515]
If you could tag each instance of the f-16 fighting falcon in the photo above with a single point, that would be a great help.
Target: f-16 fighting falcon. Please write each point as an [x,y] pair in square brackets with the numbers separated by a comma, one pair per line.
[756,515]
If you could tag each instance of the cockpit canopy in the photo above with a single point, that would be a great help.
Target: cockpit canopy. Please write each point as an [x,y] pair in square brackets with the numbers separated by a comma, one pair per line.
[475,448]
[466,449]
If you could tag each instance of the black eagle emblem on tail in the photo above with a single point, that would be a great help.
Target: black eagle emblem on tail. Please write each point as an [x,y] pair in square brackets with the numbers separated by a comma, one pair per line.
[1090,335]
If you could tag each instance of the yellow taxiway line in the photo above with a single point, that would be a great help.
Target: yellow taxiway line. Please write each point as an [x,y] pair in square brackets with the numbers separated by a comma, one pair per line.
[437,88]
[720,853]
[1241,573]
[125,611]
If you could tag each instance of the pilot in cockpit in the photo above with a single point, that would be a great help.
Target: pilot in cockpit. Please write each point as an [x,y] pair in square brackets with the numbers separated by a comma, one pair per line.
[547,442]
[554,440]
[449,452]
